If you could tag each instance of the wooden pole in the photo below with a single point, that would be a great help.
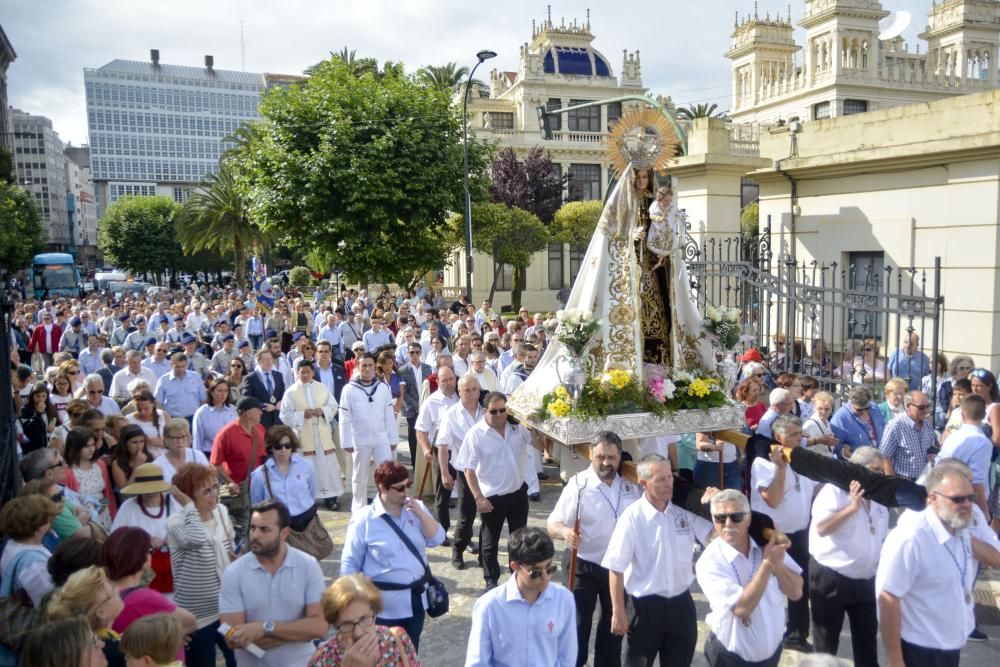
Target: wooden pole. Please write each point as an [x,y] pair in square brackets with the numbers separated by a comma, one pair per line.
[423,480]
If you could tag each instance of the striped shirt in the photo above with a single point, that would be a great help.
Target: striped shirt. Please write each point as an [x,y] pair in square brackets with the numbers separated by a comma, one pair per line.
[196,557]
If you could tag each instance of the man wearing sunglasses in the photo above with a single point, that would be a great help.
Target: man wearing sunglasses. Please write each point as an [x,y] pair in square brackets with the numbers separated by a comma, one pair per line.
[530,620]
[909,439]
[927,569]
[746,587]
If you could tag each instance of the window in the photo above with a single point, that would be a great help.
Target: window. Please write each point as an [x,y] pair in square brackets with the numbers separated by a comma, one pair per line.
[584,182]
[584,120]
[555,266]
[614,112]
[821,110]
[855,106]
[501,120]
[576,253]
[866,273]
[505,279]
[555,122]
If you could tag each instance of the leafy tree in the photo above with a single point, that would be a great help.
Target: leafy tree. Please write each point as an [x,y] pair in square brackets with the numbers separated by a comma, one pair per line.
[215,218]
[510,235]
[364,168]
[576,221]
[21,235]
[359,66]
[533,184]
[447,78]
[750,220]
[299,276]
[137,234]
[7,174]
[699,111]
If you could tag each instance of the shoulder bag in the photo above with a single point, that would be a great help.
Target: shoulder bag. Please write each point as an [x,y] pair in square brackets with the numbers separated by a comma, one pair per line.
[17,612]
[312,537]
[437,594]
[240,502]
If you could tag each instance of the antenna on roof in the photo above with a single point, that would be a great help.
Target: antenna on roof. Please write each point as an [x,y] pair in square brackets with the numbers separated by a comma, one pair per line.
[243,49]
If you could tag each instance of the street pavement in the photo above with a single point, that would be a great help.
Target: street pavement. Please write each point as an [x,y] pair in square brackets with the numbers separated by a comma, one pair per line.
[444,640]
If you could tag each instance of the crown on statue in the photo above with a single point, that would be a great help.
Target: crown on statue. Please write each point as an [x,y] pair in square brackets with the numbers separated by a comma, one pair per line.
[642,138]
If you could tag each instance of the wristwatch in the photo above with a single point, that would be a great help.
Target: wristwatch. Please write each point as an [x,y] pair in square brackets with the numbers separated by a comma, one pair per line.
[268,627]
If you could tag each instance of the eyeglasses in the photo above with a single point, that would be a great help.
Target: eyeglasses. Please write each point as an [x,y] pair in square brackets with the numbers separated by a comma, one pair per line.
[347,627]
[57,497]
[497,411]
[402,486]
[414,351]
[72,372]
[536,572]
[284,445]
[920,406]
[93,392]
[735,517]
[58,464]
[958,500]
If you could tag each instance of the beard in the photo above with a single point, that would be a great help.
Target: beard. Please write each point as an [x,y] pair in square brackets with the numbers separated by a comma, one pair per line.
[264,549]
[606,473]
[954,520]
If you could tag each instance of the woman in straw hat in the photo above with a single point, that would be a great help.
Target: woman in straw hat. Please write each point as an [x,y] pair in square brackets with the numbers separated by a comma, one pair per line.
[148,507]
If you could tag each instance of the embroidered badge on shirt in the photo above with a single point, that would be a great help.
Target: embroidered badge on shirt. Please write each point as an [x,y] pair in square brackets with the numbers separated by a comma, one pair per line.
[551,626]
[682,523]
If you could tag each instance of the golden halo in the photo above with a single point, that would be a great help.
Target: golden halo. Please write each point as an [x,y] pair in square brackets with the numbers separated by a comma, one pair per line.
[643,138]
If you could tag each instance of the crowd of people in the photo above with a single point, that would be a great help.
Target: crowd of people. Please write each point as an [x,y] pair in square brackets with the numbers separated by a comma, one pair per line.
[175,456]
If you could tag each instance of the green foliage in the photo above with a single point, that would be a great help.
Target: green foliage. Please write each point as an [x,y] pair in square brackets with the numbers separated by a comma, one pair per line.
[138,234]
[750,220]
[700,111]
[444,77]
[364,166]
[576,221]
[7,174]
[21,235]
[299,276]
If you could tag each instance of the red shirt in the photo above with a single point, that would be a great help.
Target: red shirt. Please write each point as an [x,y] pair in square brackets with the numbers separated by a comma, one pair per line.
[232,448]
[753,415]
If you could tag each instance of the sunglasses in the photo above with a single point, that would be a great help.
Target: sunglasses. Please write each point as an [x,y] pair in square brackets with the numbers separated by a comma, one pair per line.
[284,445]
[958,500]
[963,368]
[735,517]
[920,406]
[58,464]
[497,411]
[57,497]
[402,486]
[536,572]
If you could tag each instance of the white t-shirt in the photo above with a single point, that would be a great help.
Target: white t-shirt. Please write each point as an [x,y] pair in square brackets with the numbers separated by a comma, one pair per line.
[190,456]
[853,549]
[131,514]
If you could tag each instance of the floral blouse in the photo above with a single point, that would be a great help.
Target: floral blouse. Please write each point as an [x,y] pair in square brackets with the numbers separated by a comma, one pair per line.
[331,653]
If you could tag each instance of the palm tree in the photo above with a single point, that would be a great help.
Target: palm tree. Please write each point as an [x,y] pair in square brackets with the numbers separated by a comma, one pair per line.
[445,77]
[699,111]
[215,218]
[239,141]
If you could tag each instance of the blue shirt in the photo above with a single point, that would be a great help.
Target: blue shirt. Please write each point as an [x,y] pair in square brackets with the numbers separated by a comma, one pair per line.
[181,397]
[906,445]
[764,426]
[374,549]
[909,367]
[207,422]
[853,431]
[297,490]
[509,632]
[90,362]
[247,587]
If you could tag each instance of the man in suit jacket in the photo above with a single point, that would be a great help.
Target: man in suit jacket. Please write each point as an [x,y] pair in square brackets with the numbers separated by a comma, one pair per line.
[267,386]
[413,374]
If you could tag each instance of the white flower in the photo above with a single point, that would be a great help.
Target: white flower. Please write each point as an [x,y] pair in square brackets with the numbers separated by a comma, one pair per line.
[668,388]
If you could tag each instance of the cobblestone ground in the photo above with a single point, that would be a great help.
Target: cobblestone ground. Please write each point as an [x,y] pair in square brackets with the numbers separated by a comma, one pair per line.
[444,639]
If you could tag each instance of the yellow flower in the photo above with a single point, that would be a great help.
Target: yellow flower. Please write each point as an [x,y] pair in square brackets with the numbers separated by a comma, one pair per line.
[560,392]
[618,378]
[559,408]
[700,388]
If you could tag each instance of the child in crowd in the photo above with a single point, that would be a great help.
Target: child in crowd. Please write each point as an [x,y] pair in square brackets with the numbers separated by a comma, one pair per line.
[153,641]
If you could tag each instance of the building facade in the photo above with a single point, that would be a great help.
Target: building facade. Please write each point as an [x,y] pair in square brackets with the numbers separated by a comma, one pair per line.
[7,56]
[157,129]
[558,68]
[843,68]
[40,167]
[81,206]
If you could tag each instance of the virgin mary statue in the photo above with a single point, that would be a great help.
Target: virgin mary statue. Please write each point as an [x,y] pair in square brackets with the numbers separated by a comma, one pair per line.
[632,278]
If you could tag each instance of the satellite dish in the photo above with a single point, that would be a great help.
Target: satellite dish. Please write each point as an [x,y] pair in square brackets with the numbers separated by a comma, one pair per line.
[894,25]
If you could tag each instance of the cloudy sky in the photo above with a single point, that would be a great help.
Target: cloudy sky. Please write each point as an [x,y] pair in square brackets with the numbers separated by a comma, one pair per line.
[681,42]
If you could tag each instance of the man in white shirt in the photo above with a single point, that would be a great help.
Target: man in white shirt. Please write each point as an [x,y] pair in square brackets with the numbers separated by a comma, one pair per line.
[649,558]
[596,497]
[845,538]
[367,425]
[330,331]
[378,336]
[786,497]
[529,620]
[492,456]
[461,361]
[746,587]
[927,570]
[970,445]
[134,370]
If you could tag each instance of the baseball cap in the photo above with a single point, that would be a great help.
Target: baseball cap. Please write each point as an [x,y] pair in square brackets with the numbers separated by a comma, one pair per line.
[75,322]
[228,337]
[753,354]
[242,344]
[247,403]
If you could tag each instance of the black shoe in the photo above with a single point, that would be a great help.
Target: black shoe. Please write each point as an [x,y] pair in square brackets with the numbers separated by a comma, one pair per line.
[457,562]
[491,584]
[535,497]
[473,549]
[331,504]
[542,476]
[446,543]
[978,635]
[797,644]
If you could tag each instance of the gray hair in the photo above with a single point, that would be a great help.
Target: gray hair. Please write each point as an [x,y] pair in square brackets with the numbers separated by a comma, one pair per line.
[730,496]
[93,380]
[107,356]
[909,398]
[137,384]
[608,438]
[946,468]
[860,397]
[867,455]
[133,354]
[752,367]
[782,423]
[646,464]
[778,396]
[477,355]
[35,464]
[957,360]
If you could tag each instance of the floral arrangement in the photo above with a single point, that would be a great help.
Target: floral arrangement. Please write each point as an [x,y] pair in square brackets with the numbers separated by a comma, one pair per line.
[723,323]
[619,391]
[574,327]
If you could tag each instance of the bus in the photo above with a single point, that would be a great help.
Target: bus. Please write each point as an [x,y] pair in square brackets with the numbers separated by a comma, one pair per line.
[54,274]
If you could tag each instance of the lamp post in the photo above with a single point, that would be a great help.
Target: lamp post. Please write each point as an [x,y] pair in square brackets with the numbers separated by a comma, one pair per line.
[482,56]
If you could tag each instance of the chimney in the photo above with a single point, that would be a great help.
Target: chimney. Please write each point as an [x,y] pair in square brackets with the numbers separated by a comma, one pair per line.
[154,55]
[209,62]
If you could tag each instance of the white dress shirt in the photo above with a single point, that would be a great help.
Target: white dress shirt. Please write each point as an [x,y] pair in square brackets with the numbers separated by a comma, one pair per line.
[653,548]
[460,365]
[498,460]
[792,513]
[430,419]
[853,549]
[121,380]
[932,571]
[507,631]
[600,508]
[723,573]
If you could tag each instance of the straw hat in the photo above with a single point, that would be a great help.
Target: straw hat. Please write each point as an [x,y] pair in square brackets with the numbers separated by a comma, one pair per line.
[148,479]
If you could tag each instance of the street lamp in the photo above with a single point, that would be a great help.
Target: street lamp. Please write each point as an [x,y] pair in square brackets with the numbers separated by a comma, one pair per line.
[483,56]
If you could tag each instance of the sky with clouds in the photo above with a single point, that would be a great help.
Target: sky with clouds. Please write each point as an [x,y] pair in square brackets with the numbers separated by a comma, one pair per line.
[681,43]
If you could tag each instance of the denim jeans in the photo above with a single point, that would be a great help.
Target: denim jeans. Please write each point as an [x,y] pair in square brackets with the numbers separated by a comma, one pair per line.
[706,474]
[200,652]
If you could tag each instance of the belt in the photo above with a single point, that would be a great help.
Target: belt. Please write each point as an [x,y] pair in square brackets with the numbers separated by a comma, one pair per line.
[313,453]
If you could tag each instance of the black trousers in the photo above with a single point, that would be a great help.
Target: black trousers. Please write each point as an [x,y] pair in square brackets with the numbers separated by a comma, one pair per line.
[832,595]
[592,585]
[462,537]
[664,627]
[920,656]
[411,440]
[798,611]
[442,495]
[718,656]
[509,507]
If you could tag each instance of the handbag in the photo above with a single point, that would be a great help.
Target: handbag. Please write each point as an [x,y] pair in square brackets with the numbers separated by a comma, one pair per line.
[17,612]
[437,594]
[313,538]
[240,502]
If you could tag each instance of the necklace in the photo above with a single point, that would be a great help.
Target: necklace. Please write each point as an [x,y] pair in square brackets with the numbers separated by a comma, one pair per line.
[753,570]
[616,507]
[963,568]
[158,515]
[871,525]
[798,485]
